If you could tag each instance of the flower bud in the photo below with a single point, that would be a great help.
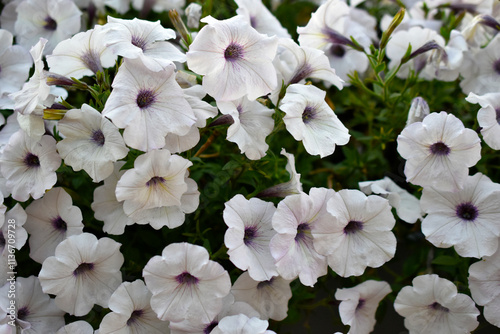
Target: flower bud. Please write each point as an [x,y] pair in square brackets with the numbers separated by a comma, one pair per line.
[418,110]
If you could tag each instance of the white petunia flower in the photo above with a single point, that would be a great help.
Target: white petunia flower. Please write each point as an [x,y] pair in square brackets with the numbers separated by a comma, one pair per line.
[484,285]
[359,304]
[407,206]
[35,311]
[248,235]
[433,305]
[81,55]
[252,123]
[19,216]
[185,284]
[91,142]
[107,208]
[157,180]
[488,117]
[468,219]
[84,271]
[29,166]
[234,59]
[309,119]
[148,104]
[292,248]
[229,307]
[439,151]
[54,20]
[131,312]
[297,63]
[357,234]
[51,219]
[270,298]
[144,40]
[242,324]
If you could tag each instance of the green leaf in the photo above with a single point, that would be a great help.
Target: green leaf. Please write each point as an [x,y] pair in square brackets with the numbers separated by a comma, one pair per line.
[445,260]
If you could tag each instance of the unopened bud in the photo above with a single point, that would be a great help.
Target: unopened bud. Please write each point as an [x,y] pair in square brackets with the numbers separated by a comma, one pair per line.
[418,110]
[396,21]
[180,27]
[193,13]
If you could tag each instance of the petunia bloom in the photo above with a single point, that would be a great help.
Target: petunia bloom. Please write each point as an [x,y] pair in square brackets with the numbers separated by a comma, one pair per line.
[84,271]
[234,59]
[91,142]
[359,304]
[309,119]
[248,235]
[439,151]
[468,219]
[185,283]
[433,305]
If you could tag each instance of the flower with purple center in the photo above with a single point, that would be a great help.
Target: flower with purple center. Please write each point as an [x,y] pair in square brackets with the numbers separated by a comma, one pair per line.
[248,235]
[148,105]
[29,165]
[84,271]
[358,234]
[185,284]
[234,59]
[359,304]
[91,142]
[84,54]
[36,311]
[142,40]
[433,305]
[439,151]
[310,119]
[51,219]
[131,311]
[295,222]
[468,219]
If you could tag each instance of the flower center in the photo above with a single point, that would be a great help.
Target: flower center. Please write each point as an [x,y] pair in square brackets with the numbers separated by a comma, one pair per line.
[308,114]
[303,231]
[496,66]
[186,279]
[134,316]
[438,307]
[250,234]
[233,52]
[264,284]
[83,268]
[337,50]
[59,224]
[302,73]
[155,180]
[440,148]
[98,137]
[92,60]
[497,111]
[22,313]
[50,24]
[353,226]
[360,305]
[210,327]
[145,98]
[467,211]
[139,42]
[31,160]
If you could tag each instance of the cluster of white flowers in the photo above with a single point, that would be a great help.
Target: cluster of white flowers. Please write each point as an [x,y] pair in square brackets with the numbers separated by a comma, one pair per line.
[261,80]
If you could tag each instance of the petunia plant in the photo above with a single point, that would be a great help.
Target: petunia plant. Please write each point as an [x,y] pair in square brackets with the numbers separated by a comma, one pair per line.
[249,166]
